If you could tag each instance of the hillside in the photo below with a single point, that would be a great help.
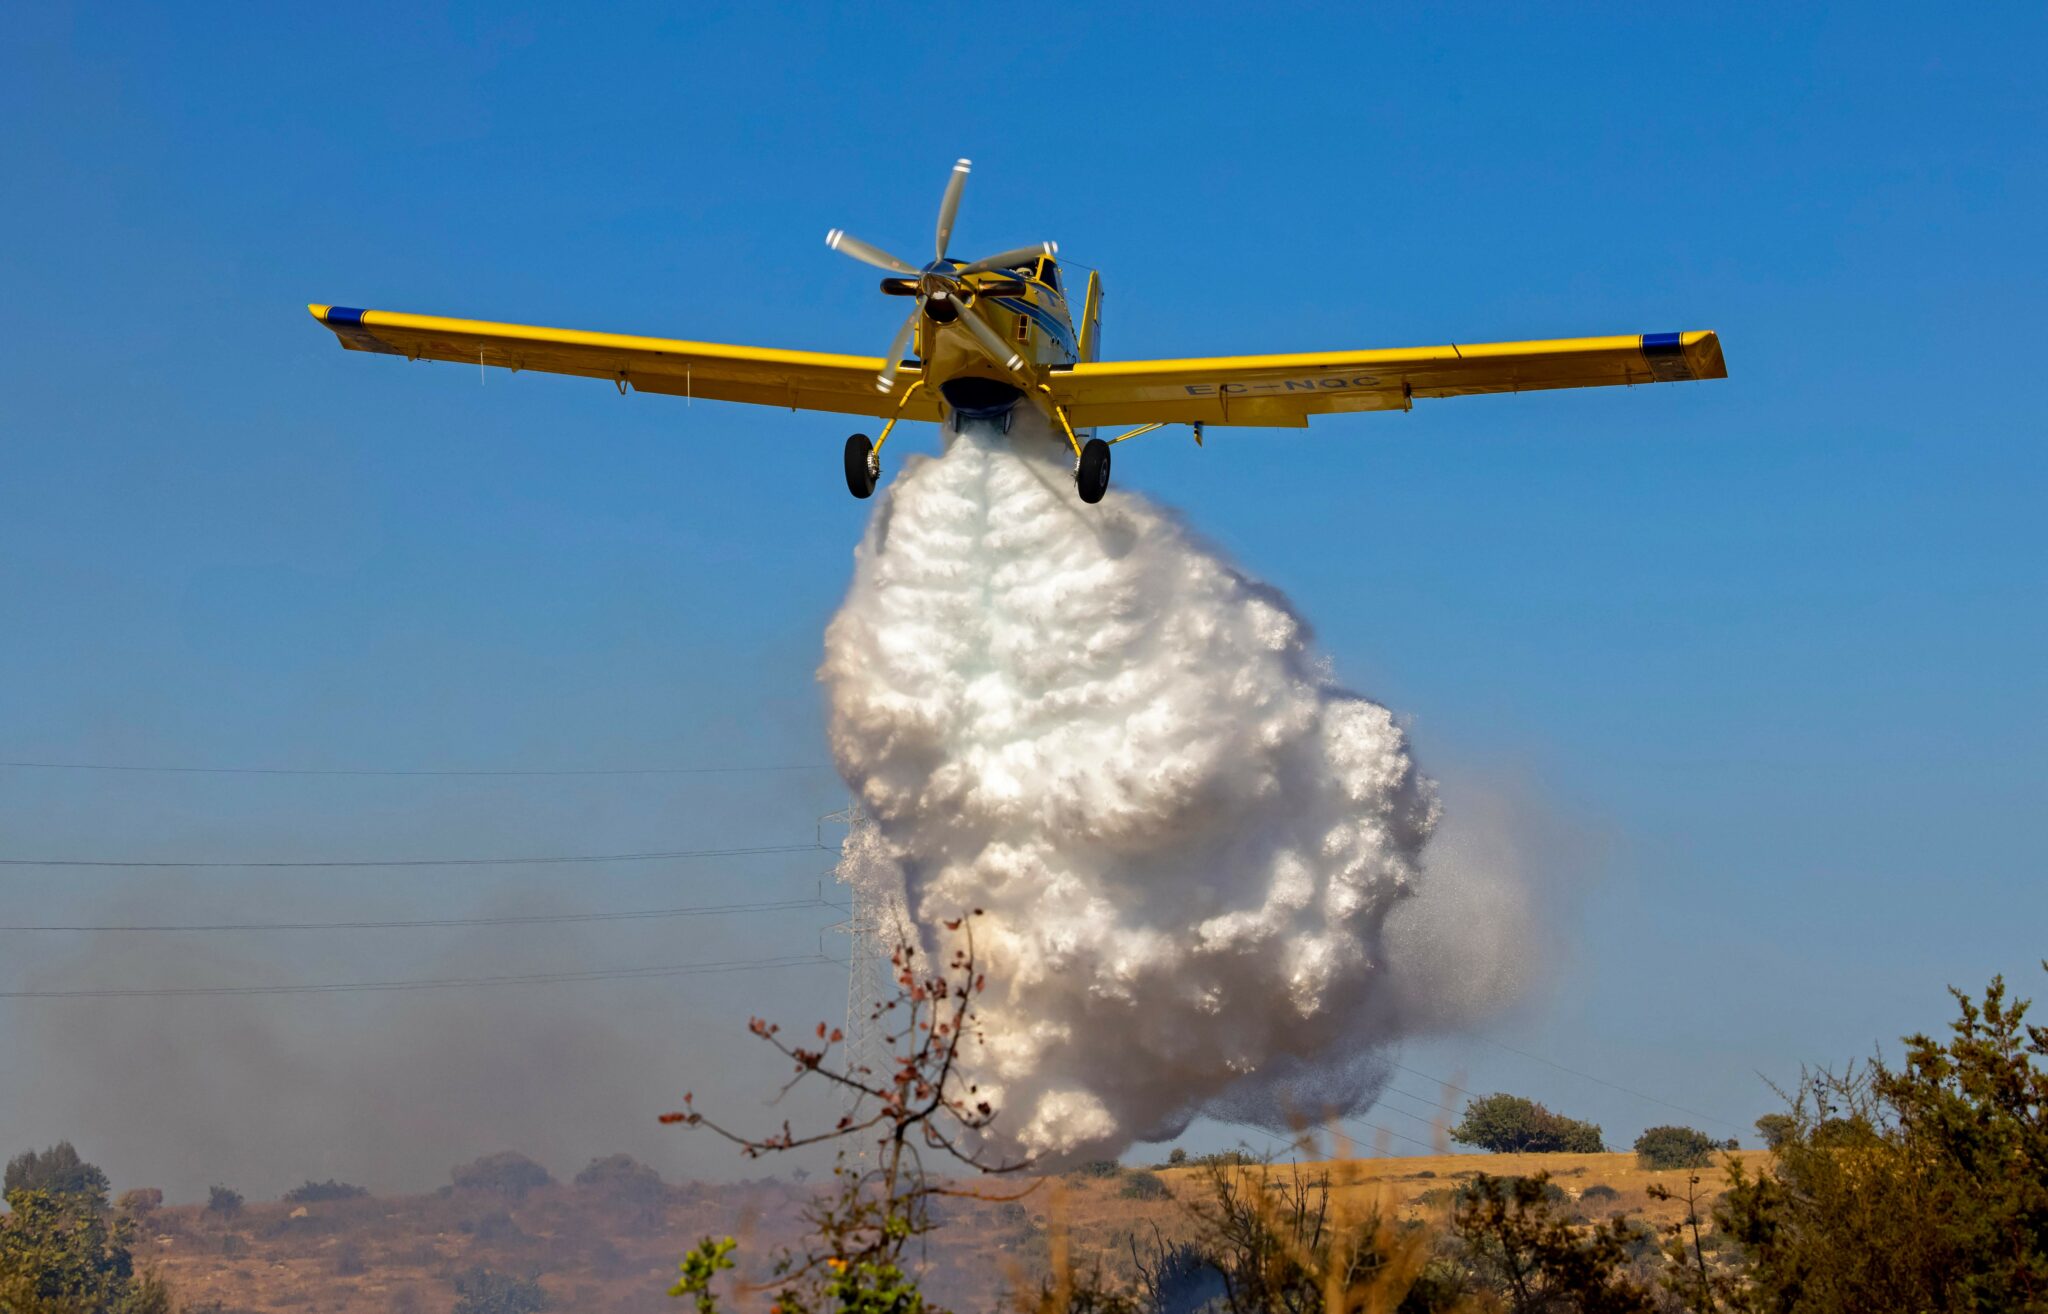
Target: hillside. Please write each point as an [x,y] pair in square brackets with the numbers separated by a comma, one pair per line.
[597,1249]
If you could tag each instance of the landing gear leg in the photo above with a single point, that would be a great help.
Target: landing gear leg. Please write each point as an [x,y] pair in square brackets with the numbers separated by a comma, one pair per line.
[864,459]
[1091,462]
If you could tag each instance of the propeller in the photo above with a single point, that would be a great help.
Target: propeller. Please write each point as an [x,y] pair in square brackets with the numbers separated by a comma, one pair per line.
[945,294]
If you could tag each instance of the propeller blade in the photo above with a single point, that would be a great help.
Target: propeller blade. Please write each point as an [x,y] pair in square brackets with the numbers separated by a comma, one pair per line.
[841,240]
[1023,255]
[949,205]
[991,341]
[886,380]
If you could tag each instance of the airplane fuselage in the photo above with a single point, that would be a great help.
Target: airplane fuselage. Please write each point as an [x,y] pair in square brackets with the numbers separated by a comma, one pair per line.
[1028,309]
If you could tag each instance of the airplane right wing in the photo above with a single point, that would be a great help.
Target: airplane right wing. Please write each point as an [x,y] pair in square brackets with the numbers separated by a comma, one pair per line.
[1283,391]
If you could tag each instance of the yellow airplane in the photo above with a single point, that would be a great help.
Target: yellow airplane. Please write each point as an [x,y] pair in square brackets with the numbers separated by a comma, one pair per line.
[993,332]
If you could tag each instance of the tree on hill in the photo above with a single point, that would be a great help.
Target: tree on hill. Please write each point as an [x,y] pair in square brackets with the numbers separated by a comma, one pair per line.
[319,1192]
[622,1178]
[1675,1147]
[57,1170]
[61,1253]
[1509,1124]
[1776,1129]
[507,1173]
[223,1201]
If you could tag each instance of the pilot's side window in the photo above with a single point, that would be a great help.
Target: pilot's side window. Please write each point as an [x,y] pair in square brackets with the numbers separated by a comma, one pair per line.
[1049,274]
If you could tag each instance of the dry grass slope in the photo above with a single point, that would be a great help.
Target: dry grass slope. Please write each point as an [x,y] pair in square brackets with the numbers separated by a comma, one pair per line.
[395,1255]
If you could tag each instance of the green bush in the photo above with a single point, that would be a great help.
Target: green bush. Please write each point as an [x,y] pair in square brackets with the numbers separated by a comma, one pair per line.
[1539,1187]
[1598,1193]
[1675,1147]
[1144,1185]
[61,1252]
[1097,1168]
[1509,1124]
[224,1201]
[1911,1187]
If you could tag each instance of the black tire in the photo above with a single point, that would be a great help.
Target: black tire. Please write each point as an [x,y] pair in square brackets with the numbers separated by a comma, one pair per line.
[860,466]
[1093,476]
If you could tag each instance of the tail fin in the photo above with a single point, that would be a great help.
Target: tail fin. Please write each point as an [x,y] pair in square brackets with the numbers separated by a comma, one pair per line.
[1091,319]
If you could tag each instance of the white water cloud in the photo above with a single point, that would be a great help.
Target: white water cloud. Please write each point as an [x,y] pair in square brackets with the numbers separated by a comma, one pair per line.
[1187,837]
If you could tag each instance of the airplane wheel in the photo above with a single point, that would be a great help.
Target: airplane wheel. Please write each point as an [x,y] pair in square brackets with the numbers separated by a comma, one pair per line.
[862,469]
[1093,476]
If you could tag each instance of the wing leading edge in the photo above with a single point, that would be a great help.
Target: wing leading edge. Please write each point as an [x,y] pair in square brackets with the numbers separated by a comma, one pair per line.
[1283,391]
[800,380]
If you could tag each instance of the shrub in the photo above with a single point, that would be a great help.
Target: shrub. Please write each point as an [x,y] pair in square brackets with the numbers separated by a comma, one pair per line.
[1675,1147]
[319,1192]
[1776,1129]
[483,1291]
[1509,1124]
[507,1173]
[622,1178]
[1144,1185]
[1909,1187]
[1596,1193]
[60,1251]
[1537,1188]
[224,1201]
[1176,1157]
[140,1202]
[1096,1168]
[57,1170]
[495,1228]
[1530,1256]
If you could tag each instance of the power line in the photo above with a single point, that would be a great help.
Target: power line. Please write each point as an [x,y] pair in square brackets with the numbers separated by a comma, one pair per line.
[517,861]
[441,983]
[1389,1131]
[1419,1099]
[1416,1117]
[1438,1080]
[1587,1076]
[411,772]
[1602,1081]
[533,919]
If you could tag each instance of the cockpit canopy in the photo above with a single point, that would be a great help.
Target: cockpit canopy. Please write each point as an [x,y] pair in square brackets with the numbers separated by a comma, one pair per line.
[1044,270]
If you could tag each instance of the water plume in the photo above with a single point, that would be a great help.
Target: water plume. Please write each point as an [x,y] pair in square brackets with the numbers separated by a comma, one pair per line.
[1187,836]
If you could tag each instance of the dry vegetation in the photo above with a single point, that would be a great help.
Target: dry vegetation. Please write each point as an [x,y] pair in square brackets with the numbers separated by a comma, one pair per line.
[591,1252]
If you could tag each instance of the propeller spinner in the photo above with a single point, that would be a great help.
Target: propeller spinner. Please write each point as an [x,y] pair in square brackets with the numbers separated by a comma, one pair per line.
[945,290]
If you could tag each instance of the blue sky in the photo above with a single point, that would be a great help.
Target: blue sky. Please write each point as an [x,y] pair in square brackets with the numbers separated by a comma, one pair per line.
[1764,658]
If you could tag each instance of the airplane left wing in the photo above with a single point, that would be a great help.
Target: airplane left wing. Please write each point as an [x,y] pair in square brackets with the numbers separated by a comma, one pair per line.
[800,380]
[1283,391]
